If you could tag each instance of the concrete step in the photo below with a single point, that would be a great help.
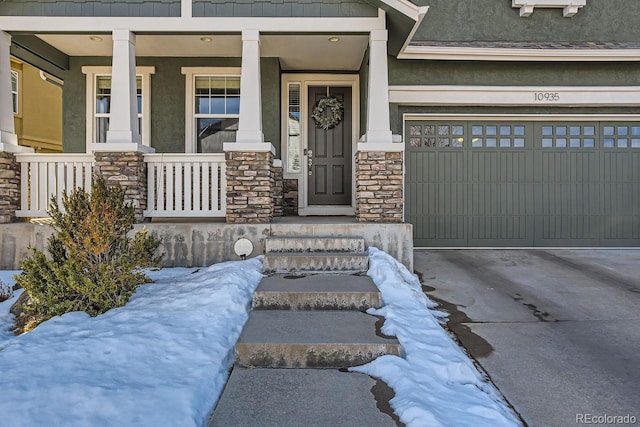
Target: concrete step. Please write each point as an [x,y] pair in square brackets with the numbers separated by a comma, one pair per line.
[303,397]
[316,292]
[320,262]
[312,339]
[314,244]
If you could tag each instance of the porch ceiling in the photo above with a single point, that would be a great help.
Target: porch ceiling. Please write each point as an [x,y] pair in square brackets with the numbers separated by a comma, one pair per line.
[296,52]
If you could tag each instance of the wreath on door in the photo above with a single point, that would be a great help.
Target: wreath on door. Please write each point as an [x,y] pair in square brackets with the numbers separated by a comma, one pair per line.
[327,113]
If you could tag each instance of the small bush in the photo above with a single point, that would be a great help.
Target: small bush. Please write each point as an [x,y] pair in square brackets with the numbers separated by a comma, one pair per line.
[93,266]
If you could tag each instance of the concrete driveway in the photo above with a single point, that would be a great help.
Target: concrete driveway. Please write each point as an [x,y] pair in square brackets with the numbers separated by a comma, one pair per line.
[558,331]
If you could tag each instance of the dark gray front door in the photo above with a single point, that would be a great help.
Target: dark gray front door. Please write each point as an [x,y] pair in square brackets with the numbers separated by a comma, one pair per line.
[329,178]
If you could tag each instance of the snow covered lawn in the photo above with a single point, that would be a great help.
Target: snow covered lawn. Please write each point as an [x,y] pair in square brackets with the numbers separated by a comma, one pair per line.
[163,359]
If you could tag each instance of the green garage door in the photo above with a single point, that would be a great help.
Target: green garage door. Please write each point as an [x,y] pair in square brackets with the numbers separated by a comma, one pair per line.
[508,183]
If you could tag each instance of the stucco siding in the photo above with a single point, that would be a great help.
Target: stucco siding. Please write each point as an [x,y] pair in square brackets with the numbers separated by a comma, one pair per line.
[167,100]
[501,73]
[491,20]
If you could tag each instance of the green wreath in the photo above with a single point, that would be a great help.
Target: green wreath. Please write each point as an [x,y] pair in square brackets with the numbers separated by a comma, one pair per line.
[332,118]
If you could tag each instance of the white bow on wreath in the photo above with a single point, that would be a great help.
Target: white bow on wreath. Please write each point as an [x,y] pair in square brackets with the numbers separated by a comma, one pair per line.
[333,116]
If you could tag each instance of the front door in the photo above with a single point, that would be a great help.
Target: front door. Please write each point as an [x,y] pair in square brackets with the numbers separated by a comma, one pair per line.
[329,151]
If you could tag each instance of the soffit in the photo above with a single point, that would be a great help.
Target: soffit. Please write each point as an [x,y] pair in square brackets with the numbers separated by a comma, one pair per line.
[296,52]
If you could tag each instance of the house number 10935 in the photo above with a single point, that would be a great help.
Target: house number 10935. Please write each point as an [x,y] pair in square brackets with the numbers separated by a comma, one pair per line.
[546,96]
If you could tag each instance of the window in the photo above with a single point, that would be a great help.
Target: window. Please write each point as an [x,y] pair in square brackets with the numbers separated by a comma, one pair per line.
[568,135]
[500,135]
[213,108]
[99,103]
[14,91]
[103,107]
[294,142]
[621,135]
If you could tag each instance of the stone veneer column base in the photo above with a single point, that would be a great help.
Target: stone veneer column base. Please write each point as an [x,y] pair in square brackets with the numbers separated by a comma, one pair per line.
[278,191]
[250,187]
[379,186]
[130,171]
[9,187]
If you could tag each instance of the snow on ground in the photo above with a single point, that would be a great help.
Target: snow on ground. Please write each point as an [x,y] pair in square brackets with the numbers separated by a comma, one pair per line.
[435,384]
[6,319]
[161,360]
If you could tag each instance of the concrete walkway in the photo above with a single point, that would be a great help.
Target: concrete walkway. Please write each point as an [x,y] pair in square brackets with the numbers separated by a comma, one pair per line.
[290,358]
[558,331]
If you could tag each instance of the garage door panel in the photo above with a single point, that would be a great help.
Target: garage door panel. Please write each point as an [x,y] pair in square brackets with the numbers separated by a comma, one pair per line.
[620,197]
[566,197]
[437,180]
[499,213]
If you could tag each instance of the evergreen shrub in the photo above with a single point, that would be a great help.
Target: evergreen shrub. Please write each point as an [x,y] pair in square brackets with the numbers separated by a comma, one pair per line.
[93,266]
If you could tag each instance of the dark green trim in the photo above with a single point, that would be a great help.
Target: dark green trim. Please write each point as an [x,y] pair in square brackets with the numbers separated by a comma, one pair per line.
[40,54]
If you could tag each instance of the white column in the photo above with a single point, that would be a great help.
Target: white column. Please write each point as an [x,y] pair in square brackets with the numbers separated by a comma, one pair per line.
[250,124]
[378,125]
[123,120]
[8,137]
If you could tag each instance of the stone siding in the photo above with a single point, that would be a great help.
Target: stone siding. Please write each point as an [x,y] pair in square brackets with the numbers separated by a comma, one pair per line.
[250,184]
[278,191]
[130,171]
[9,187]
[290,197]
[379,193]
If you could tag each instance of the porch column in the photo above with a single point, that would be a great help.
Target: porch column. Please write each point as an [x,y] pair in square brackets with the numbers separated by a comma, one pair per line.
[250,160]
[9,167]
[120,161]
[379,160]
[250,123]
[378,124]
[8,137]
[123,120]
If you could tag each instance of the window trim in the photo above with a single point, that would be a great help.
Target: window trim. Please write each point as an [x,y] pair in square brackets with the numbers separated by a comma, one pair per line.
[91,73]
[16,92]
[190,74]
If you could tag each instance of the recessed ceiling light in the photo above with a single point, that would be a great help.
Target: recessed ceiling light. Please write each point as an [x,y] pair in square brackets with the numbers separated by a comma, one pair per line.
[206,39]
[334,39]
[95,38]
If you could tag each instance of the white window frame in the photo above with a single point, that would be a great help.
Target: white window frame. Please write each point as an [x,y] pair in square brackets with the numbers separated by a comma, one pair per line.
[15,93]
[189,117]
[94,71]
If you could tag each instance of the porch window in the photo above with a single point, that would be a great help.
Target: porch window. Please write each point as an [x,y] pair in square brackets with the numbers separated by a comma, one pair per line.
[14,91]
[212,109]
[102,110]
[294,146]
[99,93]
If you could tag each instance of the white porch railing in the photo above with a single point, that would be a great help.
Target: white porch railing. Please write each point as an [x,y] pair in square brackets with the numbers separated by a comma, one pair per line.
[186,185]
[47,175]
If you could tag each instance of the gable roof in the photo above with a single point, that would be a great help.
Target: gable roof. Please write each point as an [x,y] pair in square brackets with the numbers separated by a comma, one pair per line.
[403,20]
